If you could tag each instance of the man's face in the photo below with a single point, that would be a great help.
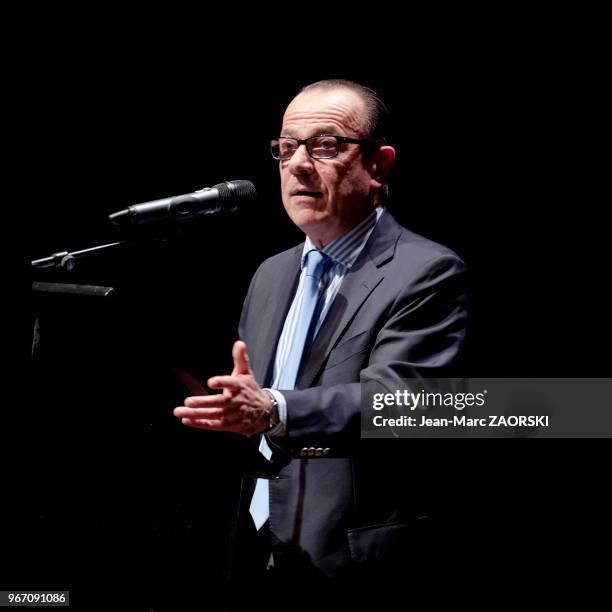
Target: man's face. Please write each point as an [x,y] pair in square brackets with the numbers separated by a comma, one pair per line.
[326,198]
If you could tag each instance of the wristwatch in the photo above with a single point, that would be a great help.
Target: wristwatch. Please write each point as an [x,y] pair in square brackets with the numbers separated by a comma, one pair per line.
[273,418]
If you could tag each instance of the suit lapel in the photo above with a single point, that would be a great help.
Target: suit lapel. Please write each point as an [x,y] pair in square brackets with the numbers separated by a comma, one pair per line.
[360,281]
[273,315]
[357,285]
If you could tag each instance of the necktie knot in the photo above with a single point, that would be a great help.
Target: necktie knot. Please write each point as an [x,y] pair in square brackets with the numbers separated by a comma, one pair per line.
[316,264]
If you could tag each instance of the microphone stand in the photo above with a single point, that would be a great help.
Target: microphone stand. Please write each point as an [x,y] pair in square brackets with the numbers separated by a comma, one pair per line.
[67,260]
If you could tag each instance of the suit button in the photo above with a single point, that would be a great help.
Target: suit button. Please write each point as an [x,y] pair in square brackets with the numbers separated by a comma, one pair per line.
[311,451]
[326,451]
[318,452]
[304,452]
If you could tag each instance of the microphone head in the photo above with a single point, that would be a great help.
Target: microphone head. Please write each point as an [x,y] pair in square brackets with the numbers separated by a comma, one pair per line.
[225,197]
[236,192]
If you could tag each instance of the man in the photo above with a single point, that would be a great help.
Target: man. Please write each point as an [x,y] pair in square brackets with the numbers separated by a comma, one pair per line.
[361,299]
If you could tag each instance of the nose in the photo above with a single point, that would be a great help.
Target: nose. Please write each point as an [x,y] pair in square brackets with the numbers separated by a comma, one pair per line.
[300,163]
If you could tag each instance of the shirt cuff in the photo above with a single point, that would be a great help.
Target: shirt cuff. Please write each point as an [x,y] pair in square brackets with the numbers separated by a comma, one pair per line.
[281,428]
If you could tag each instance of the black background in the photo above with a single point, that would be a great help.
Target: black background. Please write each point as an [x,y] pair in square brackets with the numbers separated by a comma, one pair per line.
[496,159]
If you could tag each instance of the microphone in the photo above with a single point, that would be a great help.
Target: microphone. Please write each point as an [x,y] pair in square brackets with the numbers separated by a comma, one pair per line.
[222,197]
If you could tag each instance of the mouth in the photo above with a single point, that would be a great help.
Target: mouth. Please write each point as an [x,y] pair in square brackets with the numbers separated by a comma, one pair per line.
[305,192]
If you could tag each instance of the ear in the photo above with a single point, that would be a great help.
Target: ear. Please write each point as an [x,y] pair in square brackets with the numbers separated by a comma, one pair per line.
[380,164]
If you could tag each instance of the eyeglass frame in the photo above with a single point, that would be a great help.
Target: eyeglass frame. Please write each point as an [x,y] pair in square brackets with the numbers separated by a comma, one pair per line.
[341,140]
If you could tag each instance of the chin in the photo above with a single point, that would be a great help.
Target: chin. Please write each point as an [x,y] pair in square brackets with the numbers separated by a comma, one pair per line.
[307,219]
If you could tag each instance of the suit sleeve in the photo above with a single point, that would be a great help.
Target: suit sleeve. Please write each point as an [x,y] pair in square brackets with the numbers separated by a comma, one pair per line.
[421,336]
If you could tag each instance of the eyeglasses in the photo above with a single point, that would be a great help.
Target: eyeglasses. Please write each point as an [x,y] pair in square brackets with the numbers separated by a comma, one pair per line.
[319,147]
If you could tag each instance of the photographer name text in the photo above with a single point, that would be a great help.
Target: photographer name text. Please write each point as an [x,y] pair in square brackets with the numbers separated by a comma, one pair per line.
[462,421]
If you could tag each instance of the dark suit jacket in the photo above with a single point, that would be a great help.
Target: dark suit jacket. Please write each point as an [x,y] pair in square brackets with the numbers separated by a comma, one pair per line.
[400,313]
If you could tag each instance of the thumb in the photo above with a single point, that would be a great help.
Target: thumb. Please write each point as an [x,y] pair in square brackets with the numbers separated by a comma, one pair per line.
[241,359]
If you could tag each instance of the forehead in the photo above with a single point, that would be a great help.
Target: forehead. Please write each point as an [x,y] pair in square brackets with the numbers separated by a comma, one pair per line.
[338,110]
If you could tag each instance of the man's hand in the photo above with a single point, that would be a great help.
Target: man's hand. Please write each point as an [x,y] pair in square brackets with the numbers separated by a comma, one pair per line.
[242,407]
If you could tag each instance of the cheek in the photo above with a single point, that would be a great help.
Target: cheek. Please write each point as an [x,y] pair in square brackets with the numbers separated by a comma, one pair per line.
[283,175]
[333,178]
[356,182]
[340,187]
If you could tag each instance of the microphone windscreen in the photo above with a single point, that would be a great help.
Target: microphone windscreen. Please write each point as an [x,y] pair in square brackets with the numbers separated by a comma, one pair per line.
[234,191]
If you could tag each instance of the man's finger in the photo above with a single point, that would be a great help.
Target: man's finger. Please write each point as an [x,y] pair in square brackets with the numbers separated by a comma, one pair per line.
[208,401]
[232,383]
[197,413]
[215,425]
[212,424]
[242,364]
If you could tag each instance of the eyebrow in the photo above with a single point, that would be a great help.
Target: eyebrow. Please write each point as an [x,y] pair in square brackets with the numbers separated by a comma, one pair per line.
[326,129]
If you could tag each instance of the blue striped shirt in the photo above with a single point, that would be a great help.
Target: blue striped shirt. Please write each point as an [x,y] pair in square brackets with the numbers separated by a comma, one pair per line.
[343,252]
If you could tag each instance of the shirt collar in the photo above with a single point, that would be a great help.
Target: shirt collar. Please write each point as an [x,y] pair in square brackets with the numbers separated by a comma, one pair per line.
[345,249]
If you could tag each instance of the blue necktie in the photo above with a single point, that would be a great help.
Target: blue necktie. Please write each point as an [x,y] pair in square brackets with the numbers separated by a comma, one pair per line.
[309,312]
